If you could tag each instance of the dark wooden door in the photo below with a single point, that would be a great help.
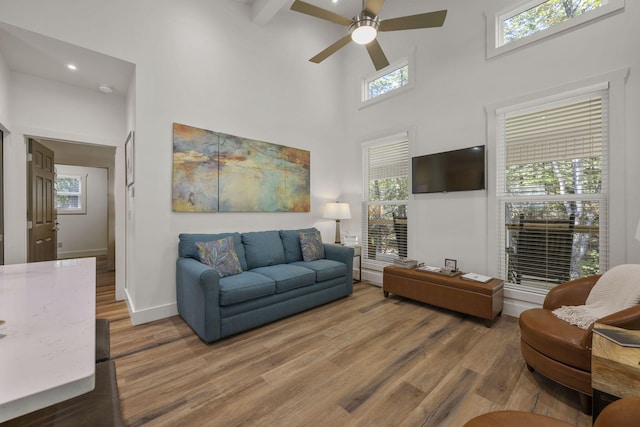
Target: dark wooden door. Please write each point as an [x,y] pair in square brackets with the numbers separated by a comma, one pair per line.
[41,204]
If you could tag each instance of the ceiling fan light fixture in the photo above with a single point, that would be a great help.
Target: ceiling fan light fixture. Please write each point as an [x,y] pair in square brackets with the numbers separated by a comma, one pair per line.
[364,29]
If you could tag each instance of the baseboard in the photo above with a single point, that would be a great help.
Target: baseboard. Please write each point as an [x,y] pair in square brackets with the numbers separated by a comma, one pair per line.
[139,317]
[375,277]
[518,300]
[81,254]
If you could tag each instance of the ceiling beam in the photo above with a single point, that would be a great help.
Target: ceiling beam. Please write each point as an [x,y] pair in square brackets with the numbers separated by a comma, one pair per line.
[263,10]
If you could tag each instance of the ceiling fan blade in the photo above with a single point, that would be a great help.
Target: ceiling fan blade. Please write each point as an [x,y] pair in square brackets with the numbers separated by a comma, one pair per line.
[377,55]
[374,6]
[423,20]
[318,12]
[331,49]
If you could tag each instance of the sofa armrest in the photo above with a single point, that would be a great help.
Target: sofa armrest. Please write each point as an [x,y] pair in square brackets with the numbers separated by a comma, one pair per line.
[574,292]
[198,297]
[343,254]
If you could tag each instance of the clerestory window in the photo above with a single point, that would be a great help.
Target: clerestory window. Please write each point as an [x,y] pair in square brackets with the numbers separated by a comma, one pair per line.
[532,20]
[394,79]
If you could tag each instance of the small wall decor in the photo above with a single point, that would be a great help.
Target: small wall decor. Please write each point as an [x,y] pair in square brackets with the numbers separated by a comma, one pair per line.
[217,172]
[128,153]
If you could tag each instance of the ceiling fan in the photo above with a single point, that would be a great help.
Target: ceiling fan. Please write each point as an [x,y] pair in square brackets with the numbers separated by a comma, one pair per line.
[364,27]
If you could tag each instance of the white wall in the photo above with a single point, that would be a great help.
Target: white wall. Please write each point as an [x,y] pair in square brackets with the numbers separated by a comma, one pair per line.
[446,110]
[85,234]
[193,67]
[4,91]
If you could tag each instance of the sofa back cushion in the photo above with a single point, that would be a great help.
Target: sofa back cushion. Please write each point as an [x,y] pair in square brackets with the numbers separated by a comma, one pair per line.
[263,248]
[187,246]
[291,243]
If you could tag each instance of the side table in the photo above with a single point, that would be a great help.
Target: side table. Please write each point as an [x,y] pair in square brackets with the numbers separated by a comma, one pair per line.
[357,252]
[615,369]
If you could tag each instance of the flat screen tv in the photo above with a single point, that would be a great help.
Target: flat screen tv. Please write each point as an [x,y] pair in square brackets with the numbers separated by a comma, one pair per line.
[457,170]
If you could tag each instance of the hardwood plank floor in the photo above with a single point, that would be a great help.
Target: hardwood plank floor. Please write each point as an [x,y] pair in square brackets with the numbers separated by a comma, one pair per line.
[364,360]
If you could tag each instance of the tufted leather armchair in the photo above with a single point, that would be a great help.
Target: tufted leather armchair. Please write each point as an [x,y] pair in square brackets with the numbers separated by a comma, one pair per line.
[561,351]
[621,413]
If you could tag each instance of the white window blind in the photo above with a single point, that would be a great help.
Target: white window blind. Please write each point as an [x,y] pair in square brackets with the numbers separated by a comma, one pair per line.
[71,194]
[386,191]
[552,190]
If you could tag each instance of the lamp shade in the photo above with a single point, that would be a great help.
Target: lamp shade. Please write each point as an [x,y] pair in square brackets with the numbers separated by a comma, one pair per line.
[337,210]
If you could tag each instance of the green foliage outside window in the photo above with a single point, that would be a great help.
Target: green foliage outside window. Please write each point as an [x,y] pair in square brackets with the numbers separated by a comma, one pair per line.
[543,16]
[382,236]
[557,178]
[394,80]
[67,192]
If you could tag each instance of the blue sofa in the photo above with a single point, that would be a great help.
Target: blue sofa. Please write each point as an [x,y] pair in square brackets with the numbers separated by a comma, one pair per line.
[274,283]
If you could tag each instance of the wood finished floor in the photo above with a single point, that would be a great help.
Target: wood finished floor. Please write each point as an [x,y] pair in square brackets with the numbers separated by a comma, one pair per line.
[361,361]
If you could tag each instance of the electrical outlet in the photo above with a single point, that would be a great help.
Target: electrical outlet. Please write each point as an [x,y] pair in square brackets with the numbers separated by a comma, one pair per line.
[59,244]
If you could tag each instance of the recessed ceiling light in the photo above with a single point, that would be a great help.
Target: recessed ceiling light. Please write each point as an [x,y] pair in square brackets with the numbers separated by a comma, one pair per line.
[72,67]
[103,87]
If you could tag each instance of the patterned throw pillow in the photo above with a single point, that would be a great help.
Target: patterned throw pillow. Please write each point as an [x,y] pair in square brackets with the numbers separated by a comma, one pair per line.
[220,255]
[311,245]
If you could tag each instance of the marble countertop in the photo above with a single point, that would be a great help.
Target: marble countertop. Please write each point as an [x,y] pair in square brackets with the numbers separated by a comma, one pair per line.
[47,344]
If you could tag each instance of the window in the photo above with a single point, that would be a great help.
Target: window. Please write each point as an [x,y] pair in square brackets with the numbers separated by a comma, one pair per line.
[533,20]
[541,15]
[71,194]
[386,192]
[552,190]
[394,79]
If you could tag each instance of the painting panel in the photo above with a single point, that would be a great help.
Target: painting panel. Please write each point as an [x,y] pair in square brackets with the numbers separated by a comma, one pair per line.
[195,169]
[257,176]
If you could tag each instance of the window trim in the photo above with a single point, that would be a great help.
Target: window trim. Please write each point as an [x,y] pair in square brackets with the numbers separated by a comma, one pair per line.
[494,32]
[409,60]
[519,298]
[367,263]
[82,210]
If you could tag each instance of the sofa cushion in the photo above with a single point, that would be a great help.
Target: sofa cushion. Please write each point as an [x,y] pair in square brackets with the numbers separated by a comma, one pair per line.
[220,255]
[263,248]
[291,243]
[325,268]
[288,276]
[244,287]
[311,246]
[187,245]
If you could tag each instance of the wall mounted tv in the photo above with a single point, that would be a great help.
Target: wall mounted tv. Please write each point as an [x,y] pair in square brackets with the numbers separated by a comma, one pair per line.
[457,170]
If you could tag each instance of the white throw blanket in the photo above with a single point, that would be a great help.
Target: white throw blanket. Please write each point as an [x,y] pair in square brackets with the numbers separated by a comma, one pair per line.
[617,289]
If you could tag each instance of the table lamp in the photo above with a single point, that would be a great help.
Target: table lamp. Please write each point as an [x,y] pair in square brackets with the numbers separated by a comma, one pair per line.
[337,211]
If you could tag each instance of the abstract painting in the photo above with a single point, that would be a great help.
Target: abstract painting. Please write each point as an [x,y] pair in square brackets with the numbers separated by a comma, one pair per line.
[217,172]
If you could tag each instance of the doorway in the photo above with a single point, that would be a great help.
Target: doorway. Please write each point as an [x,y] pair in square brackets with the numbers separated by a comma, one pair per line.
[91,156]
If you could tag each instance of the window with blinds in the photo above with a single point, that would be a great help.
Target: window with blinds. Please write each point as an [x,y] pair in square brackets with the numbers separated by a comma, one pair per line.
[552,190]
[70,194]
[386,192]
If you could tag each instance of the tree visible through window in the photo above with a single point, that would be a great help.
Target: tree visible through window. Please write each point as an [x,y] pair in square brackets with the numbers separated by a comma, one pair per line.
[388,82]
[386,192]
[70,197]
[543,15]
[552,190]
